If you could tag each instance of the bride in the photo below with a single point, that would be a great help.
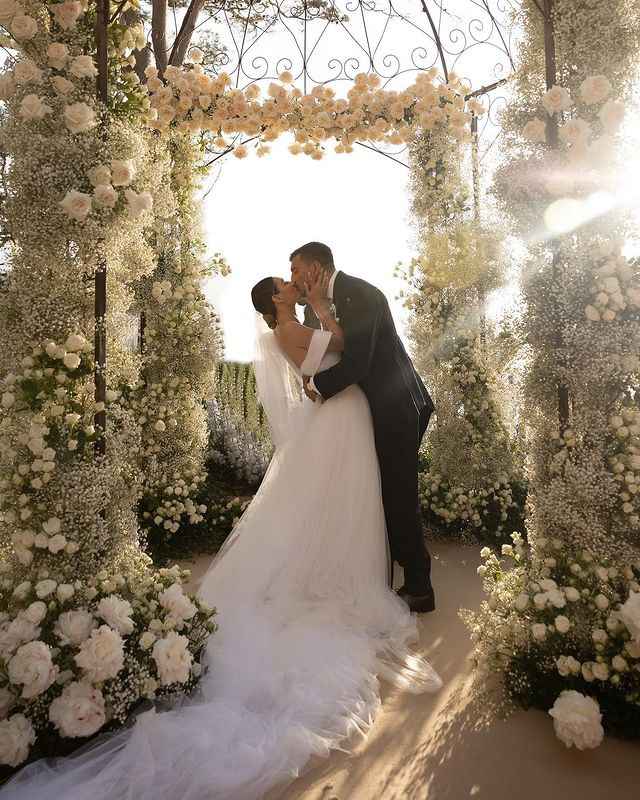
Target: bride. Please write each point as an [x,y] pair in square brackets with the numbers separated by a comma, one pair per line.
[307,621]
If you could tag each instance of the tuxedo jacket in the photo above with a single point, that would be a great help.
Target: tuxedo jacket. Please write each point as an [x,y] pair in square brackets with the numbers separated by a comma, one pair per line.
[374,356]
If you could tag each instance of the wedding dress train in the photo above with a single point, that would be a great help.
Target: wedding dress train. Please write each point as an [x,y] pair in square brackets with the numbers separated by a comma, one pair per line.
[307,624]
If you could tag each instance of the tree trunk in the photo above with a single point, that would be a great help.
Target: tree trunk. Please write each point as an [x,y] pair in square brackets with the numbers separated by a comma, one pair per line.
[183,39]
[159,34]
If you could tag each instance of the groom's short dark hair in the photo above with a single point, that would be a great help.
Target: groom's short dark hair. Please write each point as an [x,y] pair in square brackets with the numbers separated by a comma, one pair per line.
[315,251]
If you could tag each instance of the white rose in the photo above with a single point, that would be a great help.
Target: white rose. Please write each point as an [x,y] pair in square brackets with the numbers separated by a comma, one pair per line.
[173,659]
[572,594]
[535,130]
[7,702]
[101,656]
[619,664]
[556,99]
[105,195]
[65,591]
[539,631]
[15,633]
[45,588]
[601,671]
[611,116]
[71,360]
[57,543]
[629,614]
[76,205]
[66,14]
[79,710]
[83,67]
[79,117]
[33,668]
[62,85]
[57,55]
[577,720]
[562,623]
[602,602]
[74,627]
[8,10]
[24,27]
[177,603]
[123,172]
[522,601]
[27,72]
[8,399]
[138,203]
[75,342]
[599,635]
[116,612]
[33,107]
[147,639]
[595,89]
[592,313]
[16,737]
[36,612]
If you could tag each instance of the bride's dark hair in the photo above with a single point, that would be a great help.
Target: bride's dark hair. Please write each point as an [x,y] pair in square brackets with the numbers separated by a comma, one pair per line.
[262,299]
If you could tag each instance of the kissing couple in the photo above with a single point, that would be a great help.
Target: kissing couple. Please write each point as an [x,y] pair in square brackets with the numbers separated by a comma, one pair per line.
[307,620]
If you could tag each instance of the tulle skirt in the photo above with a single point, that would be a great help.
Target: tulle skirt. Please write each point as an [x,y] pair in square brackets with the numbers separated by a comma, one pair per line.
[307,626]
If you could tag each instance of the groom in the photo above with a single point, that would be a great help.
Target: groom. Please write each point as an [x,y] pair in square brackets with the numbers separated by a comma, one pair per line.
[375,358]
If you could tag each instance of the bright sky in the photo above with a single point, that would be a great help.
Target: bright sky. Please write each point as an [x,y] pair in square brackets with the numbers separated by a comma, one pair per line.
[263,208]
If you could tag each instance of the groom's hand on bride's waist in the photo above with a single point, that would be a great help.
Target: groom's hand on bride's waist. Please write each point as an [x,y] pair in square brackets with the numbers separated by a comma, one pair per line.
[308,390]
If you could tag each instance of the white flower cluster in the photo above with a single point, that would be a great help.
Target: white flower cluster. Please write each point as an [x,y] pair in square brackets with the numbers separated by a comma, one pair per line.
[63,654]
[191,101]
[624,429]
[616,286]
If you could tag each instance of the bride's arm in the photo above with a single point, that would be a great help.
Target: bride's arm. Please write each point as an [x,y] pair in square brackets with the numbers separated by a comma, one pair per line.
[317,288]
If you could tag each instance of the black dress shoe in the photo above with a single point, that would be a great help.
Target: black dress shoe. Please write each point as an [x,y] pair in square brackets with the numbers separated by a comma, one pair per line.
[421,604]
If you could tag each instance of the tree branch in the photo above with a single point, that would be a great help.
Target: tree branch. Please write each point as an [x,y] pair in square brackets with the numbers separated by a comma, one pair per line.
[183,39]
[159,33]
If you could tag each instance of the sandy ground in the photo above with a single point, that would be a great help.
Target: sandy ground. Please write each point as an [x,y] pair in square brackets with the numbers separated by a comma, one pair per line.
[445,746]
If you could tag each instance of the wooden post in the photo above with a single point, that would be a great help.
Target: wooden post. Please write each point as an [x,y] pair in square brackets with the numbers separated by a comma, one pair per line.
[552,141]
[100,280]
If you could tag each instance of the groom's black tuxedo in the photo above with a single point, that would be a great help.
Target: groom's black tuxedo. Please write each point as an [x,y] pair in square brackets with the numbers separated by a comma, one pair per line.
[374,357]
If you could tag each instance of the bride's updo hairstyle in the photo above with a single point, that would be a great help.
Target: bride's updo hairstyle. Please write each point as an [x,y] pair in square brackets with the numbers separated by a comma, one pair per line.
[262,299]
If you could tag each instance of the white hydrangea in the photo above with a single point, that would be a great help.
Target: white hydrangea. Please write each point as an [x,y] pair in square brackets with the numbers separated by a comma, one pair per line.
[177,603]
[577,720]
[629,614]
[79,710]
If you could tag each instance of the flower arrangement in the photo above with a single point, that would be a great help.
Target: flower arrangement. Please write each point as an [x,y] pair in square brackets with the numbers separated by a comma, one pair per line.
[554,622]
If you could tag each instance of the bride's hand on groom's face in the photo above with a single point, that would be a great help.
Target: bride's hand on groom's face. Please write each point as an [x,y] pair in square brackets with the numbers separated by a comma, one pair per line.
[316,288]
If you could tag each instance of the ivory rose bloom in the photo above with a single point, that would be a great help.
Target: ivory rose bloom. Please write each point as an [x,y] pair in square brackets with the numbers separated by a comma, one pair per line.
[24,27]
[76,205]
[556,99]
[16,737]
[62,85]
[122,172]
[173,659]
[79,710]
[33,107]
[74,627]
[175,601]
[629,614]
[66,14]
[45,588]
[577,720]
[101,656]
[79,117]
[26,71]
[138,203]
[32,667]
[116,612]
[83,67]
[71,360]
[57,55]
[595,89]
[105,195]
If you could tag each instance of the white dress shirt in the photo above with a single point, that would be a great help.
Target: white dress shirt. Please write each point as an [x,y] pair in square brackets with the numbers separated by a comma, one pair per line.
[330,297]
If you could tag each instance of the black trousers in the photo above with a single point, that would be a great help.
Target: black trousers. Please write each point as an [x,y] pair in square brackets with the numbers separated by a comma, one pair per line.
[397,443]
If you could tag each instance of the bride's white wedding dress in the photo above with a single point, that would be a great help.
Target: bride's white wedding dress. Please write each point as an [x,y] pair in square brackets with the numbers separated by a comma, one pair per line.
[307,623]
